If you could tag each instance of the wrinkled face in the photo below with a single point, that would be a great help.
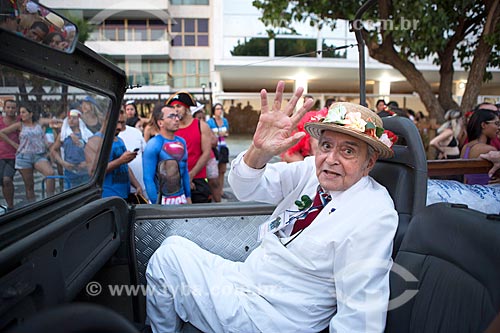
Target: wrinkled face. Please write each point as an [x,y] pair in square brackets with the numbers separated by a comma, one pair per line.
[341,161]
[170,119]
[181,110]
[10,109]
[130,110]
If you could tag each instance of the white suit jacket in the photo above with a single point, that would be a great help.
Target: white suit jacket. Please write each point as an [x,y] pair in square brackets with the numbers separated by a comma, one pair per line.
[336,272]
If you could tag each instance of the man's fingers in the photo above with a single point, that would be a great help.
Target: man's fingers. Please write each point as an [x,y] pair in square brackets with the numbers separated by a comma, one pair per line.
[491,157]
[293,101]
[297,116]
[293,140]
[493,170]
[264,107]
[280,87]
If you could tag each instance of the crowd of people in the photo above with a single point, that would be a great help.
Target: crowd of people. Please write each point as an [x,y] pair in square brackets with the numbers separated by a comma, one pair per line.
[465,136]
[178,156]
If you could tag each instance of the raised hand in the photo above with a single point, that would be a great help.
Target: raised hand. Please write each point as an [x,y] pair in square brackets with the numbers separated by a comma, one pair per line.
[275,127]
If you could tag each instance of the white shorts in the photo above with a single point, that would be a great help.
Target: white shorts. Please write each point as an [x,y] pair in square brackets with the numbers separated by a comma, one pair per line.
[212,168]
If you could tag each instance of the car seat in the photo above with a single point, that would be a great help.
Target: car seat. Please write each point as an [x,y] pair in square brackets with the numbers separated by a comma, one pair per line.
[405,174]
[448,272]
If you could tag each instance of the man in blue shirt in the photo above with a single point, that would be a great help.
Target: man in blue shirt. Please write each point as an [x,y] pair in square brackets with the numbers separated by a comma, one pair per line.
[118,175]
[166,174]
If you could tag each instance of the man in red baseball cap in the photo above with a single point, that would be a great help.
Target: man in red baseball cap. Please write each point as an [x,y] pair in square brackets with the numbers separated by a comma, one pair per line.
[197,135]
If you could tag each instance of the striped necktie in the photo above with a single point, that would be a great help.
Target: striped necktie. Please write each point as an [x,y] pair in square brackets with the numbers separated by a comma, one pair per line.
[320,200]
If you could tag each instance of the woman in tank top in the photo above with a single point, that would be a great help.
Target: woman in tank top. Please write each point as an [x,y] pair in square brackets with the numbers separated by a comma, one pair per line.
[446,142]
[31,151]
[483,126]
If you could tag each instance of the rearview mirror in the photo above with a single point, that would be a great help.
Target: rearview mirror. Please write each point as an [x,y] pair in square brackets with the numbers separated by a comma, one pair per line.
[39,24]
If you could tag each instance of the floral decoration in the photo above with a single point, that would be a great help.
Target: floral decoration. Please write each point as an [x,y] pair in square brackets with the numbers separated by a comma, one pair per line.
[338,114]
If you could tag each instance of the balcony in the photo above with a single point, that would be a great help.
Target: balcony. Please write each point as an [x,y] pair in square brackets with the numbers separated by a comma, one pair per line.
[112,5]
[143,48]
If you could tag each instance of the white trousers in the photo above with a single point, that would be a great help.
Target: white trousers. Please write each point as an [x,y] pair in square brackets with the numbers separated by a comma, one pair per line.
[188,283]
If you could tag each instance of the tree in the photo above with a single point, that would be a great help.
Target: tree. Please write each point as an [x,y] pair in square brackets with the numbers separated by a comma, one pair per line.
[257,47]
[466,31]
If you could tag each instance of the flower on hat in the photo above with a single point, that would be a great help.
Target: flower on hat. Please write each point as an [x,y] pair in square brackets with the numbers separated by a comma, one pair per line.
[354,121]
[338,115]
[388,138]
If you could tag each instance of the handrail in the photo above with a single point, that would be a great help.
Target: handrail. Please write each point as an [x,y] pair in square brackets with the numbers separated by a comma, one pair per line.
[457,167]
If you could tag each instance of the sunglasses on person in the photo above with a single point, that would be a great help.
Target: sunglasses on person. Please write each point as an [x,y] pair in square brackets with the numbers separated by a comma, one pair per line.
[173,116]
[496,122]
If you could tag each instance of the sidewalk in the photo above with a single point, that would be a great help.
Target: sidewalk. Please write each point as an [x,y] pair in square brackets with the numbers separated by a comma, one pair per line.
[236,144]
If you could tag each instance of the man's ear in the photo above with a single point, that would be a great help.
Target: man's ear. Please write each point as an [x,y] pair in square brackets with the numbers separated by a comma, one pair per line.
[371,163]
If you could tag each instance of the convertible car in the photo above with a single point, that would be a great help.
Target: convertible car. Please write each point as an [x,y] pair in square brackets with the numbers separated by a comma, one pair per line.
[71,261]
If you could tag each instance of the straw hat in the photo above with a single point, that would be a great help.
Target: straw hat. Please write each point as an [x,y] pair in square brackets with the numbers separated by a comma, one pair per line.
[55,20]
[357,121]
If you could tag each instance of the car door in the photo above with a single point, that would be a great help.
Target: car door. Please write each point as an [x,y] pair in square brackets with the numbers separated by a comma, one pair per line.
[60,231]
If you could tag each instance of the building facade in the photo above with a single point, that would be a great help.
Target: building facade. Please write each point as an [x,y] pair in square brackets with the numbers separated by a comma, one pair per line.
[220,49]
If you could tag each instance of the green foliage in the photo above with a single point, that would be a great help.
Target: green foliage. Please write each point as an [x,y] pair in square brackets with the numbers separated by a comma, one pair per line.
[421,28]
[256,47]
[84,29]
[447,31]
[290,47]
[259,47]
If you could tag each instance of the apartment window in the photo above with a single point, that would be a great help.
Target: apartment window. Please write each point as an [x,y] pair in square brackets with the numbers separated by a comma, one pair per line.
[133,30]
[137,30]
[145,71]
[189,2]
[113,30]
[189,32]
[290,47]
[157,29]
[253,47]
[190,73]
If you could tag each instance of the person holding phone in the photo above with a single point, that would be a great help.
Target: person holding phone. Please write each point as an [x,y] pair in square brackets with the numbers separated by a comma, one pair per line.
[119,176]
[134,142]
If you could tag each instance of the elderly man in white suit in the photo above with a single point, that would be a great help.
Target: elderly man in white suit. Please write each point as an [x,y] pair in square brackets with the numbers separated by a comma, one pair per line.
[303,277]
